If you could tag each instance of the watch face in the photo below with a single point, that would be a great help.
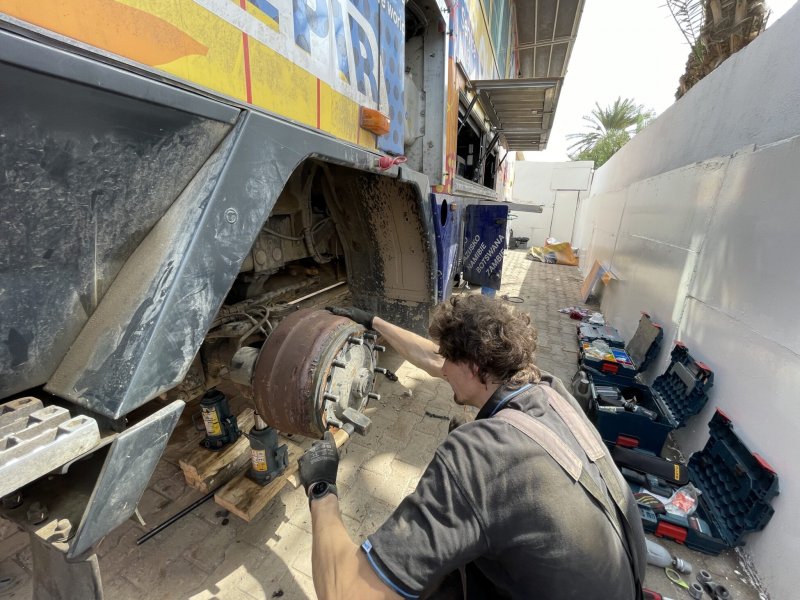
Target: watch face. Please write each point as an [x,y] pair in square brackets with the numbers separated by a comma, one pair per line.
[319,488]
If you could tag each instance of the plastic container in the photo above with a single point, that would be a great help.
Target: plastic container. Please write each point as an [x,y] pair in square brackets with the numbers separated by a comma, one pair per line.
[620,364]
[589,333]
[737,486]
[676,395]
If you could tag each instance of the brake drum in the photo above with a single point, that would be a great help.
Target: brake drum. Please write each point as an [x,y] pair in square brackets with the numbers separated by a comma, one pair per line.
[311,368]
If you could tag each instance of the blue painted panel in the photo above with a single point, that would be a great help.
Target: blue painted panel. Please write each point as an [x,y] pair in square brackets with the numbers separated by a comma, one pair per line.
[446,225]
[484,242]
[392,67]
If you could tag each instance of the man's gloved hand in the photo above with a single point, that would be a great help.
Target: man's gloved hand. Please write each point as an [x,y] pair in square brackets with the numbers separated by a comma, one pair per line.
[361,317]
[318,467]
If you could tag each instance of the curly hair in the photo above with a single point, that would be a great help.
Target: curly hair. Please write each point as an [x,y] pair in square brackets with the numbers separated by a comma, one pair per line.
[498,340]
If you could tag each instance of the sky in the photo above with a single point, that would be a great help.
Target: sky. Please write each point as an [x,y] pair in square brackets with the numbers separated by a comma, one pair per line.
[628,48]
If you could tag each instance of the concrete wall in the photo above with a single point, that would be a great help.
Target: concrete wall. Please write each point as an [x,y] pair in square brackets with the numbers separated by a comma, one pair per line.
[560,188]
[698,216]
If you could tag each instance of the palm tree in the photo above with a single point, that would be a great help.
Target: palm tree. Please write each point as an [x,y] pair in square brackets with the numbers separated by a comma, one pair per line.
[608,130]
[715,29]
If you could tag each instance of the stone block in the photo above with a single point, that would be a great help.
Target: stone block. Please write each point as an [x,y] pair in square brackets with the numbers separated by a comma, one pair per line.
[207,551]
[302,562]
[368,489]
[13,544]
[374,516]
[154,507]
[168,481]
[297,585]
[419,450]
[21,585]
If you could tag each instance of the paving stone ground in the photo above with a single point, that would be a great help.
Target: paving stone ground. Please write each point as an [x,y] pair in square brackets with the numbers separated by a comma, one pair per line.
[210,555]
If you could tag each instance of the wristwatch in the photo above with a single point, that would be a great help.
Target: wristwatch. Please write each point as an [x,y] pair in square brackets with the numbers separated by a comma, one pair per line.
[320,490]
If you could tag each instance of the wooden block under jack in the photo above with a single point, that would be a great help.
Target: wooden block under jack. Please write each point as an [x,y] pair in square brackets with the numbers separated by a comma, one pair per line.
[205,470]
[245,498]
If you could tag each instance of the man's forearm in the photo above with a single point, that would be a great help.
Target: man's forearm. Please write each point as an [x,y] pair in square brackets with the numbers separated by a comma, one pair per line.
[338,565]
[333,553]
[417,350]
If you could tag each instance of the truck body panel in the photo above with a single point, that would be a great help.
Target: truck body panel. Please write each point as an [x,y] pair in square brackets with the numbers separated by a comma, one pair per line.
[315,65]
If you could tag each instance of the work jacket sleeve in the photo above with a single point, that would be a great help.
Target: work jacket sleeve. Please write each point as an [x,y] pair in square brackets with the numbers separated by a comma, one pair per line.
[432,533]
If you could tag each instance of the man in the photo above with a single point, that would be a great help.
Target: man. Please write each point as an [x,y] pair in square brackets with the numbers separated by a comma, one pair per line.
[503,510]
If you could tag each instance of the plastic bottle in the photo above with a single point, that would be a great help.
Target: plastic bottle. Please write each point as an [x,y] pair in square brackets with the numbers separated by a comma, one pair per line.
[660,557]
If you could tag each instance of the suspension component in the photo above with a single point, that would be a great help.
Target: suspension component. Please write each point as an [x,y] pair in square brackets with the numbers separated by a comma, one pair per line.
[220,424]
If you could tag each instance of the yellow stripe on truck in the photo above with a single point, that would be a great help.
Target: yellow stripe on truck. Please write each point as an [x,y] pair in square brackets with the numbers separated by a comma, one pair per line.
[193,42]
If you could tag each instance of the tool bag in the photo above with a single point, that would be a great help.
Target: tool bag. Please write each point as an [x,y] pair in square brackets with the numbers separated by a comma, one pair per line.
[597,453]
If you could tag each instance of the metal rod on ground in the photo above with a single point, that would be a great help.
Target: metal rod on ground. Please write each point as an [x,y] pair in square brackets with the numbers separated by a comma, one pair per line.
[176,516]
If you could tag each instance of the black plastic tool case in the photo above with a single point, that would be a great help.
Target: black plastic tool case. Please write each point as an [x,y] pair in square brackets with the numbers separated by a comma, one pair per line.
[737,487]
[624,364]
[677,394]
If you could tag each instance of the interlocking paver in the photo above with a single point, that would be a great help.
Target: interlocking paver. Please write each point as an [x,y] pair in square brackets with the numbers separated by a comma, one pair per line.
[199,558]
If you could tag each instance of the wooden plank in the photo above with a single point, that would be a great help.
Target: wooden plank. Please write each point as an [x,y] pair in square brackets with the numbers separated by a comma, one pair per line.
[591,279]
[205,470]
[245,498]
[598,272]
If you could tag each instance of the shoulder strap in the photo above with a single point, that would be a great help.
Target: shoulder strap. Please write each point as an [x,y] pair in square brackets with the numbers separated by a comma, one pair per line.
[592,445]
[595,451]
[562,454]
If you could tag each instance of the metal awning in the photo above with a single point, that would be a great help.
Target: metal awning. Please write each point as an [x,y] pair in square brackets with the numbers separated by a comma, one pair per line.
[520,110]
[523,109]
[546,31]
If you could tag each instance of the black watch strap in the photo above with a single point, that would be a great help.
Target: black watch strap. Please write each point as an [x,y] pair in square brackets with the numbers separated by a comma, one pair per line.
[320,490]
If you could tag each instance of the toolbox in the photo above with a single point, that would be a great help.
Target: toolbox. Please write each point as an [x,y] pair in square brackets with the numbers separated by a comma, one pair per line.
[634,415]
[737,488]
[623,363]
[589,333]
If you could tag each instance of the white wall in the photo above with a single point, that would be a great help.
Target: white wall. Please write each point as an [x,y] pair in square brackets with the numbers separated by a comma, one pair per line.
[557,187]
[698,216]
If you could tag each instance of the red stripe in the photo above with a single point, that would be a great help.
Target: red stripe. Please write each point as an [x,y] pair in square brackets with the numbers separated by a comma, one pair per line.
[246,47]
[318,94]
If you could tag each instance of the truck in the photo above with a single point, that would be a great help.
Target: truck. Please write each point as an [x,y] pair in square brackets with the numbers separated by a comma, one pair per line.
[185,185]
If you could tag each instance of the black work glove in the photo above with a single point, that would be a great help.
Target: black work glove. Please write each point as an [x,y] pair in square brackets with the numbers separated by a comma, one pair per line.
[361,317]
[318,467]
